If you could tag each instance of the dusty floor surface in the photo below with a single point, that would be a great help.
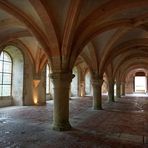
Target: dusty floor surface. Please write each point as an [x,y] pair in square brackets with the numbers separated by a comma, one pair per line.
[123,124]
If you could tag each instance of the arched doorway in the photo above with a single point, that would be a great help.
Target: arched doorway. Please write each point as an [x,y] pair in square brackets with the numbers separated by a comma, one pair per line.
[140,82]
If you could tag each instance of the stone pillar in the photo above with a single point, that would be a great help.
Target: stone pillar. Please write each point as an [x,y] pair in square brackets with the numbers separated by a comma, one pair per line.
[118,90]
[111,91]
[134,84]
[123,89]
[61,83]
[97,93]
[82,89]
[146,84]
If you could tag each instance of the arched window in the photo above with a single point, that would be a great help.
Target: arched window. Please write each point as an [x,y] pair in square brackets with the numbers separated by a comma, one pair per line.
[5,74]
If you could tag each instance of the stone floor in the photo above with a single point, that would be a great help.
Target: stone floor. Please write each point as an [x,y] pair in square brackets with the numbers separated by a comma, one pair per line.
[123,124]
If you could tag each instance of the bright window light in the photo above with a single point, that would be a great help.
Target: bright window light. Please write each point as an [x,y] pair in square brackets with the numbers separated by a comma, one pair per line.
[140,84]
[5,74]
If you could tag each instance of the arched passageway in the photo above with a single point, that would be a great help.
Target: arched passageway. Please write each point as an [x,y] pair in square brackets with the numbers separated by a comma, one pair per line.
[140,82]
[136,82]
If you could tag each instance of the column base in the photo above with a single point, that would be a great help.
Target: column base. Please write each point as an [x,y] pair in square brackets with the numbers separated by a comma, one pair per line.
[118,97]
[97,108]
[111,100]
[61,126]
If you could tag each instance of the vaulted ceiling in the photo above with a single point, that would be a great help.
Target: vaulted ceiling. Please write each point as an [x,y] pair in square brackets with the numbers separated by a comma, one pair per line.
[109,35]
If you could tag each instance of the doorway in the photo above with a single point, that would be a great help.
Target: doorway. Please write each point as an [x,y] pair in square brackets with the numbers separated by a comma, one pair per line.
[140,84]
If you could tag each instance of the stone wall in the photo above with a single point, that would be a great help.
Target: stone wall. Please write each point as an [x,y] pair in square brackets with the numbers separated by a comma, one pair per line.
[42,88]
[17,74]
[129,88]
[5,101]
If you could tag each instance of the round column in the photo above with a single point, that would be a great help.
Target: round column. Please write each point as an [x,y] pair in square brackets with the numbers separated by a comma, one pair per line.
[82,89]
[118,90]
[111,91]
[61,83]
[123,89]
[97,93]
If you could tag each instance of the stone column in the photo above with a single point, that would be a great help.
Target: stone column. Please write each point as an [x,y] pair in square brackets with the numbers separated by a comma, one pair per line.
[111,91]
[134,84]
[97,93]
[123,89]
[82,89]
[61,84]
[146,84]
[118,90]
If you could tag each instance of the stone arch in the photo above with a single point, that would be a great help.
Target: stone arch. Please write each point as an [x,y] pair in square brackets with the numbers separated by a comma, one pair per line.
[130,78]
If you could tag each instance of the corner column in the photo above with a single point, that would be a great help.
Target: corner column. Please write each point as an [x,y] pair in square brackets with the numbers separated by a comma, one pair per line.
[61,82]
[111,91]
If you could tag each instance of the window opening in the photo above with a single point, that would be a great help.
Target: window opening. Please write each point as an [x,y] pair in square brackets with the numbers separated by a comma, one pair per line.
[5,74]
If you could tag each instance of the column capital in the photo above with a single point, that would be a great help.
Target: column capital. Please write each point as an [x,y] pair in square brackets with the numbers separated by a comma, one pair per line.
[66,76]
[82,83]
[111,80]
[97,82]
[37,76]
[118,83]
